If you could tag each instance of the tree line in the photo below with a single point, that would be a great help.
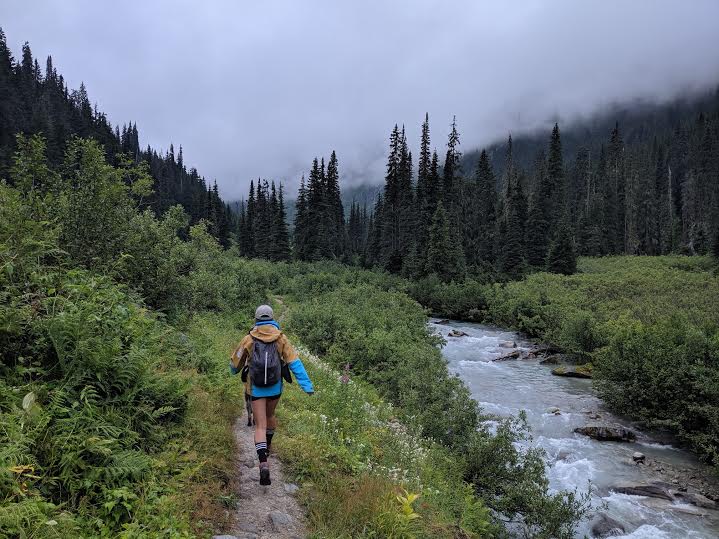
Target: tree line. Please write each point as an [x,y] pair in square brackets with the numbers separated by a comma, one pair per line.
[658,194]
[34,101]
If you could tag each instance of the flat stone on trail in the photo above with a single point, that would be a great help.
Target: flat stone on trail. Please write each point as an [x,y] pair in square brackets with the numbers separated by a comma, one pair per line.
[291,488]
[248,526]
[280,519]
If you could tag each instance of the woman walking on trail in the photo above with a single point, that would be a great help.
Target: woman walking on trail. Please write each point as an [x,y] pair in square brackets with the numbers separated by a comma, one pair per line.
[265,357]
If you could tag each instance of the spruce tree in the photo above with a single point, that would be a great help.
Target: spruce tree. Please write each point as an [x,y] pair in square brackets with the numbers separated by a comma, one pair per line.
[395,222]
[302,225]
[451,170]
[512,259]
[318,238]
[487,211]
[250,251]
[335,217]
[444,252]
[562,257]
[539,219]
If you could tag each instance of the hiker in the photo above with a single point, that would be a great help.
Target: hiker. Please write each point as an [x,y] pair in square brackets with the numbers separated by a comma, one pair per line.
[265,357]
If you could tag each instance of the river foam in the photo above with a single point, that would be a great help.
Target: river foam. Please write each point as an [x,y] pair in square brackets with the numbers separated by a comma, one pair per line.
[503,388]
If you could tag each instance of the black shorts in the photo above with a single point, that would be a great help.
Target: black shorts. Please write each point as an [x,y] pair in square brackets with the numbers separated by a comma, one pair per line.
[272,398]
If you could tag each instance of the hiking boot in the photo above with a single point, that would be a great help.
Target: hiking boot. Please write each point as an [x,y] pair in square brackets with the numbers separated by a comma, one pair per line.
[264,474]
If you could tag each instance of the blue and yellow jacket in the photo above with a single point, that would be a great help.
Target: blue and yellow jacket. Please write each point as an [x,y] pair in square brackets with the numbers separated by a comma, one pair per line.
[269,331]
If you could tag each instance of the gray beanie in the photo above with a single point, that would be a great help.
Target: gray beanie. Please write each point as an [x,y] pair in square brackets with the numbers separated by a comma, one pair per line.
[264,312]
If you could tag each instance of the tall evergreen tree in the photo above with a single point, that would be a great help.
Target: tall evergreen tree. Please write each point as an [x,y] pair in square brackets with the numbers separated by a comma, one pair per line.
[562,257]
[397,206]
[486,210]
[302,225]
[335,212]
[444,252]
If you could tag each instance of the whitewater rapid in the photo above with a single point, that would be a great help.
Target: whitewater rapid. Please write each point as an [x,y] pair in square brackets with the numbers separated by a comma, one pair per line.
[574,461]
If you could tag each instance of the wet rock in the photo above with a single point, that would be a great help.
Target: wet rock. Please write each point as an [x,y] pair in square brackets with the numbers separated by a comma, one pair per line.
[457,333]
[512,355]
[606,526]
[280,520]
[508,344]
[650,491]
[607,434]
[582,371]
[442,322]
[553,410]
[291,488]
[696,499]
[551,360]
[639,458]
[563,455]
[688,510]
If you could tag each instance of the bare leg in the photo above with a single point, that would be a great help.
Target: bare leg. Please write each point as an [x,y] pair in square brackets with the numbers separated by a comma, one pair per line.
[259,411]
[271,419]
[259,407]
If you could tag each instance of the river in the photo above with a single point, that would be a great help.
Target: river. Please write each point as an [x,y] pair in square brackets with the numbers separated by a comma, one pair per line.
[506,387]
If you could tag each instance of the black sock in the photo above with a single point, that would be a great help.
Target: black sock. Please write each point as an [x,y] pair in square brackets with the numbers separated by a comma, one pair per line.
[270,433]
[261,448]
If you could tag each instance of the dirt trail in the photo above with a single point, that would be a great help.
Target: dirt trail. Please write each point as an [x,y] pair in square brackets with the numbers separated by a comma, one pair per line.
[263,512]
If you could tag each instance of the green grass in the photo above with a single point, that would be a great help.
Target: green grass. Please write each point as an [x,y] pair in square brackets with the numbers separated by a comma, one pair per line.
[351,454]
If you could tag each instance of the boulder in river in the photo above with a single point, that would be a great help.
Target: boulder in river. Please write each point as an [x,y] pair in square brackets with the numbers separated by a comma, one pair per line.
[457,333]
[442,322]
[512,355]
[581,371]
[508,344]
[607,434]
[553,410]
[650,491]
[606,526]
[639,458]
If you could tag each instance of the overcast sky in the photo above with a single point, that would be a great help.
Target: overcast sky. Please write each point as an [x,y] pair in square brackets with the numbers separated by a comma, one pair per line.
[257,88]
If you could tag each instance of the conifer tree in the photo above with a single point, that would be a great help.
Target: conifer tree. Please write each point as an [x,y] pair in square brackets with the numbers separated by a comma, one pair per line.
[486,214]
[616,183]
[250,222]
[397,206]
[444,252]
[451,171]
[512,259]
[562,257]
[302,224]
[335,217]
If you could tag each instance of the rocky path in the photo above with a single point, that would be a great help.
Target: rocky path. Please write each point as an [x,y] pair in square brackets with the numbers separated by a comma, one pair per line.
[263,512]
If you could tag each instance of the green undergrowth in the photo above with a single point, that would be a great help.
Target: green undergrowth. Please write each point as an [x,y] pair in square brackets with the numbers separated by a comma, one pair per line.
[111,423]
[355,462]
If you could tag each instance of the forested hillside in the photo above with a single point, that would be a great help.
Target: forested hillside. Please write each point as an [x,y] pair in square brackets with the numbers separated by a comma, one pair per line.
[37,101]
[638,181]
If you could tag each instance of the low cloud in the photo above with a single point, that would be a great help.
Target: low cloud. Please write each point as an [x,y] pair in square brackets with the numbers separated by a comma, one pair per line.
[259,88]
